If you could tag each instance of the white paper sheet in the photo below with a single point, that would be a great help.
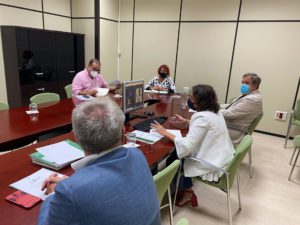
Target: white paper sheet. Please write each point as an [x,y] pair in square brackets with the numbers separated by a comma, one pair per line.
[156,92]
[82,98]
[102,91]
[32,112]
[61,152]
[131,145]
[146,137]
[32,184]
[177,133]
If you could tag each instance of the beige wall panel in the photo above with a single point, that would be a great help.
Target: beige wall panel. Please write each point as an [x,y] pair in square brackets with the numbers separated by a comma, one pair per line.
[86,26]
[204,57]
[271,50]
[270,10]
[154,44]
[126,10]
[125,50]
[109,9]
[108,49]
[3,93]
[19,17]
[57,23]
[157,10]
[61,7]
[210,9]
[30,4]
[82,8]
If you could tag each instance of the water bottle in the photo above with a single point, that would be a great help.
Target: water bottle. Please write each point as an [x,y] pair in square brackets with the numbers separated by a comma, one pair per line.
[184,97]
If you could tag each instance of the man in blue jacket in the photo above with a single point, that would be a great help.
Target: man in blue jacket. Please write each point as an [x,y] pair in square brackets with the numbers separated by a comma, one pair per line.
[111,185]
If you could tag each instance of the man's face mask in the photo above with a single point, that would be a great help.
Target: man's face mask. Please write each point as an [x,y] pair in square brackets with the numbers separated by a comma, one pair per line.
[94,73]
[245,89]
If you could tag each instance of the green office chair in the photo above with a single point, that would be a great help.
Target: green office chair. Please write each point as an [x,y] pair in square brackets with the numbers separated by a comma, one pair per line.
[231,100]
[294,120]
[162,181]
[226,180]
[250,131]
[68,90]
[296,141]
[44,98]
[183,221]
[3,106]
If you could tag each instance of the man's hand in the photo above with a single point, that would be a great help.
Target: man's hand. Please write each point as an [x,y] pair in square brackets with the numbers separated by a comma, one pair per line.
[50,183]
[91,92]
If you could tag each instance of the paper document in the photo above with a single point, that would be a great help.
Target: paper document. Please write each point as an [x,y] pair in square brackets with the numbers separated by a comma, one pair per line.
[33,183]
[102,91]
[84,97]
[177,133]
[156,92]
[32,112]
[61,152]
[146,137]
[131,145]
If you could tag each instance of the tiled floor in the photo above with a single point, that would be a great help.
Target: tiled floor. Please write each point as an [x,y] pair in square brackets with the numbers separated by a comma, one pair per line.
[267,199]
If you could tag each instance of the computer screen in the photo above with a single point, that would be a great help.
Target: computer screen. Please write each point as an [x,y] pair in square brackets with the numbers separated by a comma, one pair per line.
[133,95]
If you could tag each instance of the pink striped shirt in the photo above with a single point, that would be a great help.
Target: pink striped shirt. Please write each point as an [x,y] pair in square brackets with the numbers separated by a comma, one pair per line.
[83,82]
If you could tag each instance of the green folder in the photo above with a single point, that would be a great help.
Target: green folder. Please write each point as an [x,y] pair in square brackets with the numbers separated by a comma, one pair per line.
[38,158]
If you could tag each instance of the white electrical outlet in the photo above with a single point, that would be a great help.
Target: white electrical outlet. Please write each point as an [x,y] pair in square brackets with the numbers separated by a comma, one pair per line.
[280,115]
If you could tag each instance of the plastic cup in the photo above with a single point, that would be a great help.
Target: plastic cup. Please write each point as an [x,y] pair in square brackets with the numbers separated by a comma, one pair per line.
[33,107]
[131,138]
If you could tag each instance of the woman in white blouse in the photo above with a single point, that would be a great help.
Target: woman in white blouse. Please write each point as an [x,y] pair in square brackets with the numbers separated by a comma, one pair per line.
[162,82]
[207,139]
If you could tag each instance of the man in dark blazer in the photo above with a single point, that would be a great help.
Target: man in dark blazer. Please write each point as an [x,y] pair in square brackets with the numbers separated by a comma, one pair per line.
[112,185]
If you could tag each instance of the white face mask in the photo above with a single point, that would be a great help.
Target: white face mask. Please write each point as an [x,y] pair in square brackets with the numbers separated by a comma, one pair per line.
[94,73]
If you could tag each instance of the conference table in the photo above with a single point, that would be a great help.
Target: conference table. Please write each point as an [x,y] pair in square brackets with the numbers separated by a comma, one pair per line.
[17,126]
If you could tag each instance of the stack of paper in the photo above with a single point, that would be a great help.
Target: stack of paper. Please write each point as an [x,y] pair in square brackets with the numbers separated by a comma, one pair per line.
[102,91]
[32,184]
[156,92]
[84,97]
[57,156]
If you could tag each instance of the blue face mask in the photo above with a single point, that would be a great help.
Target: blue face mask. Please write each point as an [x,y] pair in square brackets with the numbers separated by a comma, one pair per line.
[245,89]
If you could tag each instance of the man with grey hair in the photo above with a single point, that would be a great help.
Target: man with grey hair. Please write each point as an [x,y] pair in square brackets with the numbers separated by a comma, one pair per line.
[111,184]
[244,110]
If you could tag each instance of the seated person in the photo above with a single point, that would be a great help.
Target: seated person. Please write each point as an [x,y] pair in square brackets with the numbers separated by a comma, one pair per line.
[207,139]
[240,114]
[88,80]
[162,82]
[111,184]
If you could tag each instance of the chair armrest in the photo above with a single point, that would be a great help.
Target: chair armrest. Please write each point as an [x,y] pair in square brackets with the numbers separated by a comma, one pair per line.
[209,165]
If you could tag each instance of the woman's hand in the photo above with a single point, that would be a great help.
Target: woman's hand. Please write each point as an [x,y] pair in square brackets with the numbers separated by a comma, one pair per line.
[179,118]
[159,128]
[162,131]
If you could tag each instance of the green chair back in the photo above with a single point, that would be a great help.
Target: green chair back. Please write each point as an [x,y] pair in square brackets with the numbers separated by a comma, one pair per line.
[3,106]
[297,110]
[164,178]
[183,221]
[240,153]
[232,99]
[68,90]
[44,98]
[254,124]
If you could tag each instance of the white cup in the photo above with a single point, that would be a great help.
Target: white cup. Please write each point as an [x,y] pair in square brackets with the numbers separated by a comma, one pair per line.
[131,138]
[186,90]
[33,107]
